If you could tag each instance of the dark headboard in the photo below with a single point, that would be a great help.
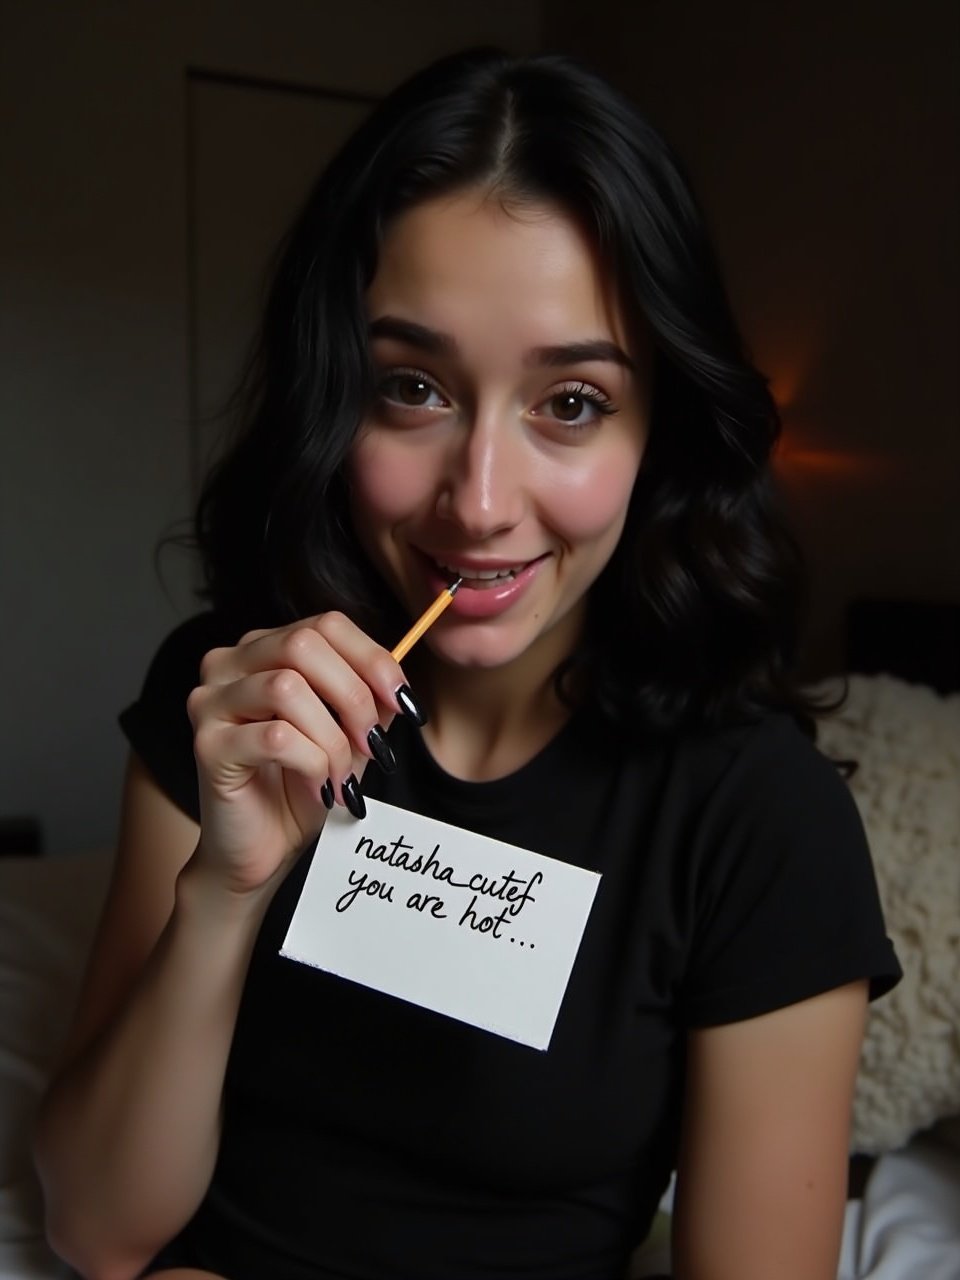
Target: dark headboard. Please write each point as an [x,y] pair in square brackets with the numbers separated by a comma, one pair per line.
[917,641]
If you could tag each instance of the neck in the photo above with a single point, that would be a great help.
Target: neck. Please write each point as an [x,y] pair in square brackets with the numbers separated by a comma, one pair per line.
[488,723]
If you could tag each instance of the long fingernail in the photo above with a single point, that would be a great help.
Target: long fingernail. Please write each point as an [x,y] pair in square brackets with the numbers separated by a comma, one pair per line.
[410,705]
[326,794]
[353,797]
[382,751]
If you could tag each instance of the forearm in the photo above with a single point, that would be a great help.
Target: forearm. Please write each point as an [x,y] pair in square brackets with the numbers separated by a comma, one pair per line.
[128,1135]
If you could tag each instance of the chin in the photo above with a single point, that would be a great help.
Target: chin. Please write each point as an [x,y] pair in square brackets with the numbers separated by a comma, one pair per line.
[473,656]
[491,648]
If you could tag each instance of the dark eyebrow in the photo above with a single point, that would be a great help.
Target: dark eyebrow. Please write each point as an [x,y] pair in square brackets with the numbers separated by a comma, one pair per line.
[415,335]
[441,344]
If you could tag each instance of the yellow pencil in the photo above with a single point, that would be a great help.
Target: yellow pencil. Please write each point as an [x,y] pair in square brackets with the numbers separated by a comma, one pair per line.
[425,621]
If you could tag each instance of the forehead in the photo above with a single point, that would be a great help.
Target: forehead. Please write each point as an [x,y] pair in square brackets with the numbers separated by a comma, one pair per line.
[465,264]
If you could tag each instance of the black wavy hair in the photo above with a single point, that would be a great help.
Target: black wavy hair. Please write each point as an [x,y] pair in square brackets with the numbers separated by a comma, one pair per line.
[695,620]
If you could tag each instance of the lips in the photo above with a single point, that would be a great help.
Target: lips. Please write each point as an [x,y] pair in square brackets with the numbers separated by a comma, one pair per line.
[488,587]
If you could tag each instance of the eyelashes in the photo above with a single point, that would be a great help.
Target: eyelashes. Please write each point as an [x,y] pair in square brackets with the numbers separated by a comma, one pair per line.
[408,389]
[412,381]
[583,393]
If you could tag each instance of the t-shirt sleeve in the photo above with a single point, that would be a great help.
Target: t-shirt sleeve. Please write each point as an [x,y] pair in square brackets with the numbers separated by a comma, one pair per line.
[786,898]
[157,725]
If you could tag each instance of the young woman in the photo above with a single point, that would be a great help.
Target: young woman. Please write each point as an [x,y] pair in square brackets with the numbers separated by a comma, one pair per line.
[497,348]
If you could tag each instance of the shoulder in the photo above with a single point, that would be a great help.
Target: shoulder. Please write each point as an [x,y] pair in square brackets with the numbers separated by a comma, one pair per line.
[772,800]
[781,873]
[176,662]
[709,777]
[766,764]
[761,800]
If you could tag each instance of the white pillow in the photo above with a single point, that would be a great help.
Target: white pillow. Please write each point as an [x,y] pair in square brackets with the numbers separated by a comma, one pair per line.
[906,740]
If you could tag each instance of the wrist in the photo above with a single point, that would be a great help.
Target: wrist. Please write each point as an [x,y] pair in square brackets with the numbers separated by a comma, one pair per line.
[201,891]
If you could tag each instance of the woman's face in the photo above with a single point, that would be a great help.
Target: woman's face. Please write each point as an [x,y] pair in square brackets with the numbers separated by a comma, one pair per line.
[510,421]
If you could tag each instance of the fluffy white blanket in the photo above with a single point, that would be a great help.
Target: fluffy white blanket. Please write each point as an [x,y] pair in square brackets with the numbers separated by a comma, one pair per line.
[906,739]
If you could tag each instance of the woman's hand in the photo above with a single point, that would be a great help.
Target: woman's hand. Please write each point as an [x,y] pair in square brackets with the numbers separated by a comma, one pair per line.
[284,723]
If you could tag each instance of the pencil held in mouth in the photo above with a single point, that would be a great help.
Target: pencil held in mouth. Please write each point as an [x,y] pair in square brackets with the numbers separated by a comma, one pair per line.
[425,621]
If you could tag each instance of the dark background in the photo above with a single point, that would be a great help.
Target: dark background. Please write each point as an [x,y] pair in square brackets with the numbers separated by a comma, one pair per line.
[151,154]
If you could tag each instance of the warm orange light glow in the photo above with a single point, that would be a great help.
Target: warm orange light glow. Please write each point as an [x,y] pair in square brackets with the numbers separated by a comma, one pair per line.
[785,384]
[800,454]
[794,457]
[824,461]
[789,372]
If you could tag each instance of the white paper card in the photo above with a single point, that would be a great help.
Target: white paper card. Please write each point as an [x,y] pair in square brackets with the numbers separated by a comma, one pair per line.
[473,928]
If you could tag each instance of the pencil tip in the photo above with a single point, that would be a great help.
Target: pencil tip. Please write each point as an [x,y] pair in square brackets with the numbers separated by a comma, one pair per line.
[454,587]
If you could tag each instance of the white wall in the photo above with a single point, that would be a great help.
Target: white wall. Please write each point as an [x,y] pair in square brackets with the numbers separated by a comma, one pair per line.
[94,414]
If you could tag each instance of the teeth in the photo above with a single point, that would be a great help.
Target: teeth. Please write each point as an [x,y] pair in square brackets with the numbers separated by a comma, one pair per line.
[480,575]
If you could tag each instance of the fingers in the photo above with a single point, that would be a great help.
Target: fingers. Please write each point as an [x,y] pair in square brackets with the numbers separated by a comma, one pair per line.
[231,753]
[275,701]
[324,678]
[307,647]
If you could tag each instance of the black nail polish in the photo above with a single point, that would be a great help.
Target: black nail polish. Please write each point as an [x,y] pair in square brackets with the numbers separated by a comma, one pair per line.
[382,751]
[326,794]
[353,797]
[410,706]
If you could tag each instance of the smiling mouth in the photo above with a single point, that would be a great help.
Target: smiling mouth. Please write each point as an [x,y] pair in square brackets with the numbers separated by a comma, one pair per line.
[480,579]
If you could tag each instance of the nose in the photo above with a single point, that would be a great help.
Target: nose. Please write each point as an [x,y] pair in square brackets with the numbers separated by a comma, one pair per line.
[483,487]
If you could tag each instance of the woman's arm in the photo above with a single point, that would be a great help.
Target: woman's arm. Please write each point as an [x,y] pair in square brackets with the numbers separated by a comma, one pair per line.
[128,1133]
[762,1176]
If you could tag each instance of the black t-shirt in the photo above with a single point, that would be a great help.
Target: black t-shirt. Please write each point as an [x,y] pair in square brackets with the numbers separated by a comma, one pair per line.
[365,1137]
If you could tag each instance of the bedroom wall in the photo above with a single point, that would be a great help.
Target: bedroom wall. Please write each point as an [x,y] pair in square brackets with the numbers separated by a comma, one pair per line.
[95,367]
[823,140]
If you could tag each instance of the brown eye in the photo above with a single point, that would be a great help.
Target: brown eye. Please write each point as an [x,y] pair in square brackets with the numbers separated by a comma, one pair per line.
[410,390]
[567,406]
[576,408]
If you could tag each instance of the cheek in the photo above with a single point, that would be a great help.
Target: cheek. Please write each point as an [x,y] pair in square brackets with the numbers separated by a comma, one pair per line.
[592,505]
[387,484]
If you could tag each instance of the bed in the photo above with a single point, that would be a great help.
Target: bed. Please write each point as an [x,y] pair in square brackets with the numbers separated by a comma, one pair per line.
[902,1223]
[48,911]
